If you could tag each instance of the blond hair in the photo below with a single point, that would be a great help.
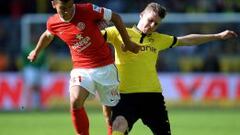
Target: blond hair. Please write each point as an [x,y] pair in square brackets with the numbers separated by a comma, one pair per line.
[157,8]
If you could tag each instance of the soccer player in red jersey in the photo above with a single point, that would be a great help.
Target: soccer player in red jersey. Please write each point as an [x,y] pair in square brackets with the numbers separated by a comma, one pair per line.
[93,70]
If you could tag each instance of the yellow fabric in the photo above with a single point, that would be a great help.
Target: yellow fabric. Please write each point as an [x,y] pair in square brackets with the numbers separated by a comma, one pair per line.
[117,133]
[137,72]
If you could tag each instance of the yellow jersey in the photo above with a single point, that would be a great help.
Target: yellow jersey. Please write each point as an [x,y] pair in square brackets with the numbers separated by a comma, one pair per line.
[137,72]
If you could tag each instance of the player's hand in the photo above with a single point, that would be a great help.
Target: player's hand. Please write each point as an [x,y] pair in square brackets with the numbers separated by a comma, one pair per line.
[132,47]
[32,56]
[227,34]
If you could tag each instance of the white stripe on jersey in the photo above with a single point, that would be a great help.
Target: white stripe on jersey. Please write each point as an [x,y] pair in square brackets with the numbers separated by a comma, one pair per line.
[49,34]
[107,14]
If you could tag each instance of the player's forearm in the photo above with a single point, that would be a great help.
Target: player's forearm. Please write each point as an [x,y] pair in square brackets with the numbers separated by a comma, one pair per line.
[43,42]
[196,39]
[116,19]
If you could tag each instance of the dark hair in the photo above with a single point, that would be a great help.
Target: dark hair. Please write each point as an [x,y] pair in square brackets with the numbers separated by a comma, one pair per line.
[157,8]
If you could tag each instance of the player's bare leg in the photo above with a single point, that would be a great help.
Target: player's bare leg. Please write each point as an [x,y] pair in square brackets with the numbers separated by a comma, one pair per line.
[119,126]
[107,115]
[80,120]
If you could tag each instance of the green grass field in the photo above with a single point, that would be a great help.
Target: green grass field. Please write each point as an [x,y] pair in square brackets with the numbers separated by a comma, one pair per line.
[183,122]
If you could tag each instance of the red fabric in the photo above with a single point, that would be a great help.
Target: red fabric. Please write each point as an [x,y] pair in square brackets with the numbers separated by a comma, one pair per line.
[80,121]
[109,130]
[82,35]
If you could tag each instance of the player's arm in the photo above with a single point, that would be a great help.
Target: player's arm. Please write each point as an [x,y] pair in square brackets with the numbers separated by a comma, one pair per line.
[44,40]
[196,39]
[129,45]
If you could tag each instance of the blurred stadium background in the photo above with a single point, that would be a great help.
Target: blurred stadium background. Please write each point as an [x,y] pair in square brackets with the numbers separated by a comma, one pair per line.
[201,84]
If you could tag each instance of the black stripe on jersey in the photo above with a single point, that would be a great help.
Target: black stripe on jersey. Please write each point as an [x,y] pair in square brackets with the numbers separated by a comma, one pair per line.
[174,42]
[142,37]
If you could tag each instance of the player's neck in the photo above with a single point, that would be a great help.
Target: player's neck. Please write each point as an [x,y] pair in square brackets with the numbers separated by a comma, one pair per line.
[138,28]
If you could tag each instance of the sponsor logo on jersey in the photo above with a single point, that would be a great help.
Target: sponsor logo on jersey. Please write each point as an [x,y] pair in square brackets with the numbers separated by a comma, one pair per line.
[148,48]
[82,43]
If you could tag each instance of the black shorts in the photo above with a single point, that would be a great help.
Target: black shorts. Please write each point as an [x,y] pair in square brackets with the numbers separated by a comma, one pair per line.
[149,107]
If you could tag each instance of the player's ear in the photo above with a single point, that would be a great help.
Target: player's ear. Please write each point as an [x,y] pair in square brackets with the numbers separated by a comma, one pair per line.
[53,3]
[141,15]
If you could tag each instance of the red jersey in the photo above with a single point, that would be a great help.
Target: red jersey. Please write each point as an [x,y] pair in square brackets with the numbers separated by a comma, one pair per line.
[82,35]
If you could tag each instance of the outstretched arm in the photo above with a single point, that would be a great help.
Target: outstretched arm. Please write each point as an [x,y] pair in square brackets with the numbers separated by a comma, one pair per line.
[129,45]
[45,39]
[196,39]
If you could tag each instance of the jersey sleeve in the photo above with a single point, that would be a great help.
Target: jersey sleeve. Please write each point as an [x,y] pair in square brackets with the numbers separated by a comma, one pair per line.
[110,34]
[166,41]
[99,13]
[50,31]
[174,42]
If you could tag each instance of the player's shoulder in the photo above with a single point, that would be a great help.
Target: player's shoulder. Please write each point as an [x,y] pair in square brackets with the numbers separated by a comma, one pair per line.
[84,6]
[111,28]
[53,18]
[160,35]
[129,29]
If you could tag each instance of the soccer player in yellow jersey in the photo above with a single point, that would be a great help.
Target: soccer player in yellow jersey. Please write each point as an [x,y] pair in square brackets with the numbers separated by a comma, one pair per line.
[140,90]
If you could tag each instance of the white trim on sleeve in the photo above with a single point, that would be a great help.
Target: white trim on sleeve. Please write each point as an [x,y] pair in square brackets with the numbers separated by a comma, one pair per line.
[107,14]
[49,34]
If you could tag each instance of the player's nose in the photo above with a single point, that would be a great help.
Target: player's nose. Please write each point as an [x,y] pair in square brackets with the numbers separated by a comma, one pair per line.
[152,24]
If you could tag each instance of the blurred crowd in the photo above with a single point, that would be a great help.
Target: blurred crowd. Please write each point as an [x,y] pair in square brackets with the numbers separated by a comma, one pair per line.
[16,8]
[225,58]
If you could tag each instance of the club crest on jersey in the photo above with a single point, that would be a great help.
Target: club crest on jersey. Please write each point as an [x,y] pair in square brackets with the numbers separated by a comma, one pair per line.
[81,26]
[96,8]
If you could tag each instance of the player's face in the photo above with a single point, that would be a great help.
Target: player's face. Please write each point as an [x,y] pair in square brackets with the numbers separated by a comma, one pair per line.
[149,21]
[65,10]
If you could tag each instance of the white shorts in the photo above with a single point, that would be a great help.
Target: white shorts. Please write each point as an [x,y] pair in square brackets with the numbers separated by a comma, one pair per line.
[101,82]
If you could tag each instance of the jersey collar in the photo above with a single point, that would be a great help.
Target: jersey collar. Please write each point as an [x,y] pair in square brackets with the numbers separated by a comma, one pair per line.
[143,35]
[135,28]
[74,10]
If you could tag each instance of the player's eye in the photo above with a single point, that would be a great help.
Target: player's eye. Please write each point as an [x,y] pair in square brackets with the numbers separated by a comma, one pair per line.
[150,20]
[153,22]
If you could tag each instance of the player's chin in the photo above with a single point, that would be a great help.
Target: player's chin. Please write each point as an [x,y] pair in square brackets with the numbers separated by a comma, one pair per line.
[66,16]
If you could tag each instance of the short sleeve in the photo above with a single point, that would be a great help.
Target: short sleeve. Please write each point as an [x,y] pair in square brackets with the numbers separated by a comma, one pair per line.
[165,41]
[49,28]
[174,42]
[99,13]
